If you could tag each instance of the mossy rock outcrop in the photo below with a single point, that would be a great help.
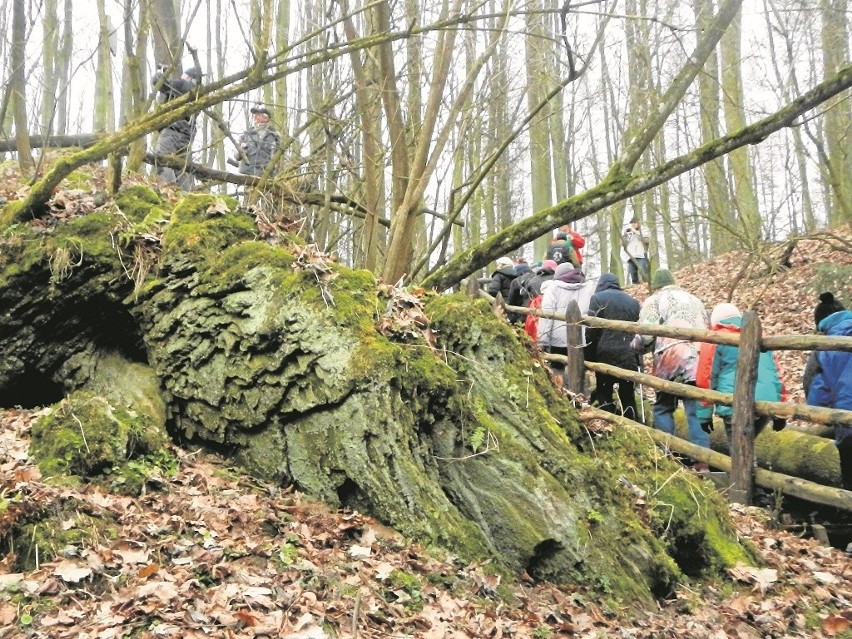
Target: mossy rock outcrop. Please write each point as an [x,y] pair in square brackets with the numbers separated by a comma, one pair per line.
[273,358]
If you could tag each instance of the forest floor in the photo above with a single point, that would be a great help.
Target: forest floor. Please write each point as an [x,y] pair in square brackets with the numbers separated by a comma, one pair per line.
[206,551]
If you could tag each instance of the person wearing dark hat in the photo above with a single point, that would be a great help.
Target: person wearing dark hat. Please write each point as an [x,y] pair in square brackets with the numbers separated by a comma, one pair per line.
[830,382]
[675,360]
[827,305]
[176,138]
[611,346]
[636,247]
[562,251]
[258,145]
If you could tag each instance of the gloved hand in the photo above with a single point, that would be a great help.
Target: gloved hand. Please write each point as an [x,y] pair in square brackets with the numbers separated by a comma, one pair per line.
[778,423]
[707,425]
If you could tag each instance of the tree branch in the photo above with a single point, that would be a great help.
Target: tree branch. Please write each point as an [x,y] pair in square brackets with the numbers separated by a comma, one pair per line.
[618,187]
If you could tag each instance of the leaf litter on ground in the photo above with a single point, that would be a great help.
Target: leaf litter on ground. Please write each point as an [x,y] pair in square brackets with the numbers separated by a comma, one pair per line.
[215,553]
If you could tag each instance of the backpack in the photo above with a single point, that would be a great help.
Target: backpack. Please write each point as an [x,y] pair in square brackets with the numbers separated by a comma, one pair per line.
[531,322]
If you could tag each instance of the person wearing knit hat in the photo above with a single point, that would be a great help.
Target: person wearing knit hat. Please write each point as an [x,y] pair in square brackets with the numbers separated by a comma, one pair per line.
[567,272]
[501,279]
[827,305]
[612,347]
[831,383]
[723,311]
[717,370]
[550,264]
[675,360]
[662,277]
[561,250]
[568,284]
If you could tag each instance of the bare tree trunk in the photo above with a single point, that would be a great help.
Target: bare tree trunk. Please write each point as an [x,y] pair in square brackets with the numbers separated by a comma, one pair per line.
[63,71]
[135,85]
[718,204]
[165,32]
[104,102]
[537,50]
[49,55]
[838,116]
[742,172]
[369,109]
[282,43]
[17,85]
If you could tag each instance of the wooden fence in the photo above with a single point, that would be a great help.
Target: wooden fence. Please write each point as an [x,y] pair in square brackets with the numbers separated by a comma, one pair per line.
[751,343]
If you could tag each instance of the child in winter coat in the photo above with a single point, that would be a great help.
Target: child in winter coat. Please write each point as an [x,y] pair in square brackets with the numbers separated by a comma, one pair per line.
[717,370]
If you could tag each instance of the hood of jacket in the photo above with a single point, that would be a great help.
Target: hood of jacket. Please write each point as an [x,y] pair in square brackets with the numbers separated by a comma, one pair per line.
[607,282]
[508,271]
[729,325]
[566,286]
[839,323]
[573,276]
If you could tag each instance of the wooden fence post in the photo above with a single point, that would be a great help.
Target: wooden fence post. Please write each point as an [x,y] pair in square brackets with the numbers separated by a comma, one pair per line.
[742,420]
[497,305]
[575,371]
[473,287]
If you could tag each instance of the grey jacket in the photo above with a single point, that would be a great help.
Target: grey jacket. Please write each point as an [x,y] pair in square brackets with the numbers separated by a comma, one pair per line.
[555,296]
[259,145]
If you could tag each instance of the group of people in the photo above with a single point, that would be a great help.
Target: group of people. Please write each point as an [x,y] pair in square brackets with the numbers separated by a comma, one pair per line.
[257,146]
[552,286]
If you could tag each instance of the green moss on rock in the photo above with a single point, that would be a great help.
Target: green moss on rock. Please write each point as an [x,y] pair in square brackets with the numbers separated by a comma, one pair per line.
[138,202]
[85,435]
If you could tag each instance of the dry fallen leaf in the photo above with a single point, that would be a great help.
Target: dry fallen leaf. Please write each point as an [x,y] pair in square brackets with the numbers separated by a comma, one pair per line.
[762,578]
[71,572]
[832,625]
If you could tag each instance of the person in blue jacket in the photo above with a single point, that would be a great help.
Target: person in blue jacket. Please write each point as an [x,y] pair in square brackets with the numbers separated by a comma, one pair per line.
[831,385]
[717,370]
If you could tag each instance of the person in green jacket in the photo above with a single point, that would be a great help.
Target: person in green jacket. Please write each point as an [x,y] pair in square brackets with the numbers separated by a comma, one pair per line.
[717,370]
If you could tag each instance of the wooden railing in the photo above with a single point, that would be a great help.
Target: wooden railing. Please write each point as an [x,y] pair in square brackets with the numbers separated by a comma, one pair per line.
[751,343]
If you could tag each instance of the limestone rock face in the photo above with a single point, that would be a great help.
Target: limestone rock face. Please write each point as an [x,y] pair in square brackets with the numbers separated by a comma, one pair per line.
[455,437]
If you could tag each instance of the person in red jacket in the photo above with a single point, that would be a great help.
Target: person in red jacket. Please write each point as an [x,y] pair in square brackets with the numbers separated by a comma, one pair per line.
[577,240]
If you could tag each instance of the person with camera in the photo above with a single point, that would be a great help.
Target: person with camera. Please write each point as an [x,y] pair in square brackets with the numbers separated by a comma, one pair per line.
[636,247]
[175,139]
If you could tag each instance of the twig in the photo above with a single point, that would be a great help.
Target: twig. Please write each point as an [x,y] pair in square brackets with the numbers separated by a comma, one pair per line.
[80,424]
[355,614]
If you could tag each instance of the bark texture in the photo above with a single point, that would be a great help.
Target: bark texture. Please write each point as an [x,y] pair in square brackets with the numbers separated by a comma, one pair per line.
[273,358]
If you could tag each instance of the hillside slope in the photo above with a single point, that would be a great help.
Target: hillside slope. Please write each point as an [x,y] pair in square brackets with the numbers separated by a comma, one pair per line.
[205,551]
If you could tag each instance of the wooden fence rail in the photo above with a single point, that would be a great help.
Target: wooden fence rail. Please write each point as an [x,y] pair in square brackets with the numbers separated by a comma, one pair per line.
[750,343]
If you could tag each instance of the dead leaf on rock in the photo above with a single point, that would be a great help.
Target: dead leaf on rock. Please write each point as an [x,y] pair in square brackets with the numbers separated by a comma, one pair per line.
[8,614]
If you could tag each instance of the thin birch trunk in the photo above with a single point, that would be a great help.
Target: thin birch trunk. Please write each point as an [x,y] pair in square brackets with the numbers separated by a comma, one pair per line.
[104,99]
[739,161]
[17,86]
[838,115]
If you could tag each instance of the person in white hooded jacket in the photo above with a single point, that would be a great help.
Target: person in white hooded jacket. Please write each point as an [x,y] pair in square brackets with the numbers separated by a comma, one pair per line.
[568,284]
